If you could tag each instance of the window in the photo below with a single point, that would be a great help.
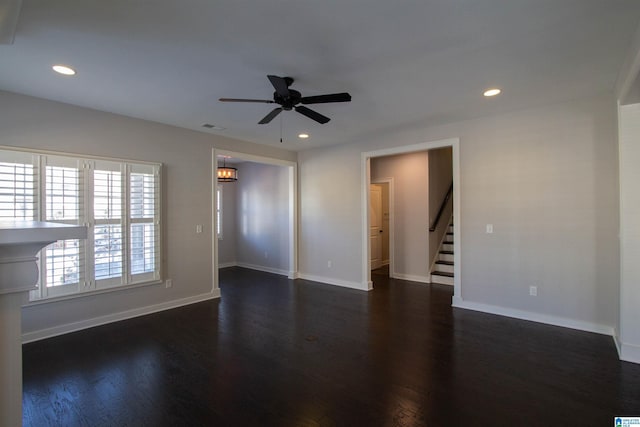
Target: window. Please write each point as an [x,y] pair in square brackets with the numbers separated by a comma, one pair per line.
[118,200]
[219,211]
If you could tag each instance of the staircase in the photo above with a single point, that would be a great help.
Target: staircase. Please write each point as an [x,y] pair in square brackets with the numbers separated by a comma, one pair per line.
[442,270]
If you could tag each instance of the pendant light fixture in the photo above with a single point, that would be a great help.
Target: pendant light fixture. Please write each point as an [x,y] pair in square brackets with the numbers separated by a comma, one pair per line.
[227,174]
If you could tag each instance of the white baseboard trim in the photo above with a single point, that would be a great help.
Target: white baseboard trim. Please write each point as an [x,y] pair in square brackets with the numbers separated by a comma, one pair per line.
[337,282]
[630,353]
[534,317]
[264,269]
[616,341]
[227,264]
[412,277]
[115,317]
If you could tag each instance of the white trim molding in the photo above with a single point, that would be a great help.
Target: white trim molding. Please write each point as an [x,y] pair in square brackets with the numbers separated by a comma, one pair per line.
[629,353]
[412,277]
[337,282]
[115,317]
[264,269]
[534,317]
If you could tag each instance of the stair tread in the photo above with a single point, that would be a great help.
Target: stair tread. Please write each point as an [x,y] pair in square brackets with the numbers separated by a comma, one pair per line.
[449,234]
[447,252]
[445,262]
[441,273]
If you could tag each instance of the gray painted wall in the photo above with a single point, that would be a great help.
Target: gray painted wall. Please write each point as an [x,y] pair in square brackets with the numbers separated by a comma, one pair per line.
[262,217]
[410,173]
[546,178]
[187,173]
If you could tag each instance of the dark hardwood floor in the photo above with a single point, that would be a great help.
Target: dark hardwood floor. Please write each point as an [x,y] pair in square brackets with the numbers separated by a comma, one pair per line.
[273,352]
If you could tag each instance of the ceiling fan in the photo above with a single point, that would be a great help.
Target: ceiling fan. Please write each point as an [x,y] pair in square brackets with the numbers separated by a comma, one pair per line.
[288,99]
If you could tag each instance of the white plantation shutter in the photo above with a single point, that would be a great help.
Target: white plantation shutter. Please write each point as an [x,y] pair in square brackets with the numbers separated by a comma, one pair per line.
[61,262]
[18,185]
[118,200]
[108,238]
[144,214]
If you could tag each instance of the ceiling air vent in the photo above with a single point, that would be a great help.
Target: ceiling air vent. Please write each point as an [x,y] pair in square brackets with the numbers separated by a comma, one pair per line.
[214,127]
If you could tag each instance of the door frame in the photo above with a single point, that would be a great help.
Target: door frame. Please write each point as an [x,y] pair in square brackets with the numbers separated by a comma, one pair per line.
[389,182]
[366,157]
[292,168]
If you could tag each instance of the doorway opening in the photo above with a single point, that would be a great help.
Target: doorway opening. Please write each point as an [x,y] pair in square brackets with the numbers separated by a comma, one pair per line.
[366,183]
[259,226]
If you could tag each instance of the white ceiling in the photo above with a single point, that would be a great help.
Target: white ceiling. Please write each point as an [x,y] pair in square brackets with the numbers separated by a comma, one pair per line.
[405,62]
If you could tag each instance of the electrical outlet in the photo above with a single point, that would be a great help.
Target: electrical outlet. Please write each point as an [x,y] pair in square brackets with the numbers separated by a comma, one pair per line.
[329,264]
[199,228]
[168,283]
[489,228]
[533,291]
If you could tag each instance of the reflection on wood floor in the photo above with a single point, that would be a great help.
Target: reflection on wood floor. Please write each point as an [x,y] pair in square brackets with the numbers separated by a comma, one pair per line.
[276,352]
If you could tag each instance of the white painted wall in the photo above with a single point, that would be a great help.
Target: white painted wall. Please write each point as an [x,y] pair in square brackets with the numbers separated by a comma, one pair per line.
[546,178]
[629,141]
[330,208]
[227,245]
[410,173]
[262,217]
[187,199]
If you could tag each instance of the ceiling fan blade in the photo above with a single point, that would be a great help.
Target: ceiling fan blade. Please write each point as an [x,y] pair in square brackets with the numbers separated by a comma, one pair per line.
[270,116]
[266,101]
[321,99]
[280,85]
[312,114]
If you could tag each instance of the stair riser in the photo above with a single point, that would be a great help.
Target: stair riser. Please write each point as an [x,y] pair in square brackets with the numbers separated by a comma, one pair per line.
[442,280]
[445,257]
[450,229]
[447,247]
[443,267]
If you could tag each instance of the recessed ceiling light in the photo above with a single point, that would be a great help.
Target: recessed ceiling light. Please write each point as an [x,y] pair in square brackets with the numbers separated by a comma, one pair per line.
[63,69]
[303,136]
[492,92]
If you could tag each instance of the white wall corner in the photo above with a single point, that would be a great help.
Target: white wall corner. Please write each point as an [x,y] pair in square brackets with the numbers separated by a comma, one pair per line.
[227,264]
[293,275]
[630,69]
[115,317]
[534,317]
[616,342]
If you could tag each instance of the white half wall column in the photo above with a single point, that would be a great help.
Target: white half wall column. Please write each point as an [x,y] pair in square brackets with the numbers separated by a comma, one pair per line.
[20,242]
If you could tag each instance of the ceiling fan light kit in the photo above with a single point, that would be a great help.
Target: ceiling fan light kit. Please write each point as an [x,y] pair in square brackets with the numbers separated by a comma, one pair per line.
[288,99]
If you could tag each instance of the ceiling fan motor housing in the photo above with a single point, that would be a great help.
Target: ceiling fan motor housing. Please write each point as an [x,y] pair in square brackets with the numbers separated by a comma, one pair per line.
[288,102]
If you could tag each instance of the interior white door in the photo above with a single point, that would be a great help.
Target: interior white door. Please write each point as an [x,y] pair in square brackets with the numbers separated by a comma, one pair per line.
[375,223]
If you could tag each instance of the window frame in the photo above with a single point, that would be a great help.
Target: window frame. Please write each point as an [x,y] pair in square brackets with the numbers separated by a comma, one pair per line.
[152,271]
[219,212]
